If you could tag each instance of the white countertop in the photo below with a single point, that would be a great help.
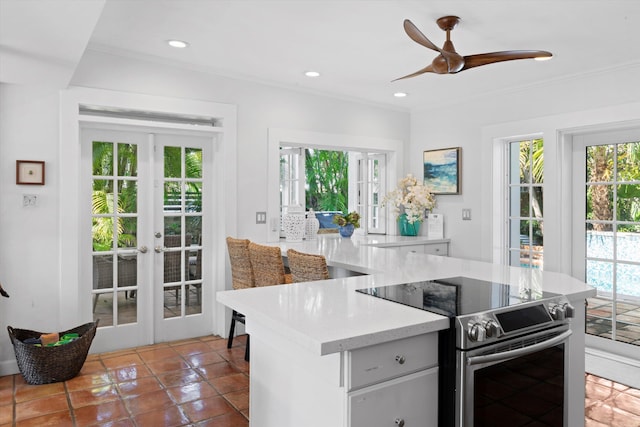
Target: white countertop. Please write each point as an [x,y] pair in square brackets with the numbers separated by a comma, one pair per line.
[329,316]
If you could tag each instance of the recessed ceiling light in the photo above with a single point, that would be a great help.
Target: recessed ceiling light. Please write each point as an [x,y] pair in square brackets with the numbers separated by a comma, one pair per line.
[400,94]
[312,74]
[177,43]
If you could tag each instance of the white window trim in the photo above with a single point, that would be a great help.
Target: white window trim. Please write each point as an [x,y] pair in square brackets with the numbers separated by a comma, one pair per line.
[287,137]
[70,210]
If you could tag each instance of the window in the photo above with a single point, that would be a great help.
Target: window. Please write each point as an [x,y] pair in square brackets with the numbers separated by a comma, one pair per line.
[292,165]
[611,235]
[525,203]
[333,181]
[370,191]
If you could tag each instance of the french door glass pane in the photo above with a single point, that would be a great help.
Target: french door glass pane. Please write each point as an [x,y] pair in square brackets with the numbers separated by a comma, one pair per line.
[193,159]
[628,243]
[600,204]
[114,232]
[194,197]
[183,189]
[172,162]
[599,163]
[526,234]
[600,275]
[628,202]
[102,158]
[127,160]
[612,240]
[627,164]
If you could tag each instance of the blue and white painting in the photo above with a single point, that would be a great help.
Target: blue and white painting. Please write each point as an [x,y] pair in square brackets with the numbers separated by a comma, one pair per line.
[442,170]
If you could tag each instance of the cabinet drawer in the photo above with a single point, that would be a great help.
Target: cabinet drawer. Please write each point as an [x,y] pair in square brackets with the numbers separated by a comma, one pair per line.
[412,399]
[377,363]
[405,249]
[436,249]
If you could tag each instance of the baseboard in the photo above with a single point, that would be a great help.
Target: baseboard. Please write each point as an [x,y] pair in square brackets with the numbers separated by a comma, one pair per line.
[613,367]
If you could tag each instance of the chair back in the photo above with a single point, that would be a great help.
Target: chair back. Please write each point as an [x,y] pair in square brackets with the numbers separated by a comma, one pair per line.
[307,267]
[267,264]
[173,260]
[241,271]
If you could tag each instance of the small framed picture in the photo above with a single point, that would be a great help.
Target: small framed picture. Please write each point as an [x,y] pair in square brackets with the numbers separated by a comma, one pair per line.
[442,170]
[29,172]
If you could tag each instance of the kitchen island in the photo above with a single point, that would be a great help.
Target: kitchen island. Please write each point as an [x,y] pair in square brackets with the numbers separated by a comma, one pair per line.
[314,346]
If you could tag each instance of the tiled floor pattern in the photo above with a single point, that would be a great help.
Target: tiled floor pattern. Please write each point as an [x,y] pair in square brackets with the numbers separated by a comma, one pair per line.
[198,382]
[627,320]
[609,404]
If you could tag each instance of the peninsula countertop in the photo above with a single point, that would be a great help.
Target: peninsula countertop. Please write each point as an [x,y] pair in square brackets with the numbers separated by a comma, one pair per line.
[329,316]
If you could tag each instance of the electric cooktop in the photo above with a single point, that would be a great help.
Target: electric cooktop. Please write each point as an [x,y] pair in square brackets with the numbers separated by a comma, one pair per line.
[457,296]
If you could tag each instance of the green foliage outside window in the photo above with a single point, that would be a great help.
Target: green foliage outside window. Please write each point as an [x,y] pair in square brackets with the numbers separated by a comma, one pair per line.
[327,178]
[600,171]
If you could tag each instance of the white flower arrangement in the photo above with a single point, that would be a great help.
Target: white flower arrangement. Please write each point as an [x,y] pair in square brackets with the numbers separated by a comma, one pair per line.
[412,197]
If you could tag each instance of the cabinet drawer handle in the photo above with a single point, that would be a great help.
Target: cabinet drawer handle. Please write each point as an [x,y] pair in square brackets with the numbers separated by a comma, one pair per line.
[401,360]
[400,422]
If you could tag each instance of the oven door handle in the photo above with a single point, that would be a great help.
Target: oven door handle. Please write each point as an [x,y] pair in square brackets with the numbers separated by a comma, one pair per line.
[488,358]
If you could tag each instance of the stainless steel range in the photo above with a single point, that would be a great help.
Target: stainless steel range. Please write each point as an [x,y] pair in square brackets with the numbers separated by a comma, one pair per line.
[503,357]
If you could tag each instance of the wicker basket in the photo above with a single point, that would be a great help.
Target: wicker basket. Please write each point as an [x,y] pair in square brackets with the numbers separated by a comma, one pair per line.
[44,365]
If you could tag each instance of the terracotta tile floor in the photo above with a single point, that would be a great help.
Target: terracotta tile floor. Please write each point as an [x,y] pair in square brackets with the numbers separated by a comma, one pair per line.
[198,382]
[610,404]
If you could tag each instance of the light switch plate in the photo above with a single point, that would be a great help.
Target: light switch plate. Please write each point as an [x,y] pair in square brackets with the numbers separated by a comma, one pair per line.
[29,200]
[466,214]
[261,217]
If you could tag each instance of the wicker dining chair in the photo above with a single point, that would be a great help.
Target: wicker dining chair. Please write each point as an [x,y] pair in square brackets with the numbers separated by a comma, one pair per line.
[241,278]
[307,267]
[267,264]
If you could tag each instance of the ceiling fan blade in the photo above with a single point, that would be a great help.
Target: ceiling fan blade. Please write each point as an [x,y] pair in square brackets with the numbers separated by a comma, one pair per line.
[507,55]
[416,35]
[427,69]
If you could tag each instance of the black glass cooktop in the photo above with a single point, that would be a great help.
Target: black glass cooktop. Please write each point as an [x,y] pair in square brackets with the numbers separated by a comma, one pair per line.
[456,296]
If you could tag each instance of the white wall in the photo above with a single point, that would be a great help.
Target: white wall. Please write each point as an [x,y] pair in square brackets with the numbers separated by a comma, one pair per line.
[260,107]
[29,117]
[29,246]
[550,108]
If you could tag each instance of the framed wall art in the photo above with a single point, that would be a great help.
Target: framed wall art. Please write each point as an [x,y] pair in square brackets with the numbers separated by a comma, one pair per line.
[29,172]
[442,170]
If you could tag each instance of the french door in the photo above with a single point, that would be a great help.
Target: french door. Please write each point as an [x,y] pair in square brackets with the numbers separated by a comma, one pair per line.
[147,231]
[607,236]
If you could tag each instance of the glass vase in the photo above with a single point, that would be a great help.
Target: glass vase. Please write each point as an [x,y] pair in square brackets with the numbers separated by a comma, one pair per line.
[407,229]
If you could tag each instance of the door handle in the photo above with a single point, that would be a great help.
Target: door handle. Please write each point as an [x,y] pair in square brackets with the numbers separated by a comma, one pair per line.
[143,249]
[158,249]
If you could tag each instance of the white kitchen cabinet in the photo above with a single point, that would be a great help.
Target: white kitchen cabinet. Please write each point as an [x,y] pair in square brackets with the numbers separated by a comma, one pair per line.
[407,401]
[394,383]
[381,362]
[424,248]
[363,387]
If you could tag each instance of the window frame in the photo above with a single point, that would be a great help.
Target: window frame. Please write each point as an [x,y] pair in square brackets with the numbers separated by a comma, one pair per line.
[513,221]
[392,149]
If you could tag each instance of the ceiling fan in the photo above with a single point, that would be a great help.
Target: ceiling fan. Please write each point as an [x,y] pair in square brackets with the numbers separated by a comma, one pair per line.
[450,62]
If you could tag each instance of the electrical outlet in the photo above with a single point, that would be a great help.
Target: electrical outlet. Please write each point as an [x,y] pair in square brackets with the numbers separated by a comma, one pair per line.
[261,217]
[466,214]
[29,200]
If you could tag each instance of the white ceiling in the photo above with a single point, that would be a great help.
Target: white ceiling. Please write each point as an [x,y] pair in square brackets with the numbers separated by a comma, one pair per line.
[359,46]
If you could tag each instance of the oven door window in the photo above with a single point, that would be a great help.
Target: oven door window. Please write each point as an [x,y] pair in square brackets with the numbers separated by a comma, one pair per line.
[521,390]
[526,390]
